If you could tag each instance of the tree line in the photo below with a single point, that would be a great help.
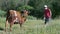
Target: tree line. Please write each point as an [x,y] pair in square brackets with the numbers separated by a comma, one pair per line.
[36,7]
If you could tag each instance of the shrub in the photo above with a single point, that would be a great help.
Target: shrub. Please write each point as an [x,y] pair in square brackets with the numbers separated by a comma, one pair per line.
[31,18]
[2,13]
[27,7]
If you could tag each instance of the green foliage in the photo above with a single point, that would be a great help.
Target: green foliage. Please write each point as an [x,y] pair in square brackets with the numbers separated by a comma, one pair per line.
[38,5]
[56,8]
[27,7]
[2,13]
[31,18]
[6,5]
[38,8]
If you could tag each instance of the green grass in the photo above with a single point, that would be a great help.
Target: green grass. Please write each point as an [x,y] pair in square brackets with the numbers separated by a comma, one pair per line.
[32,27]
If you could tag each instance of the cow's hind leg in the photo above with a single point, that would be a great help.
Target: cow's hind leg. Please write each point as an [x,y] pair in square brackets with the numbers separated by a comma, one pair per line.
[6,24]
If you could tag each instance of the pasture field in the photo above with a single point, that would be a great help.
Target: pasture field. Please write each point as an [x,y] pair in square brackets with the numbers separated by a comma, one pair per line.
[32,27]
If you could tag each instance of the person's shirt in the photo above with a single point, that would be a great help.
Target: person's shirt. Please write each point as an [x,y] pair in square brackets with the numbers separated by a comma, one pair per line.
[47,12]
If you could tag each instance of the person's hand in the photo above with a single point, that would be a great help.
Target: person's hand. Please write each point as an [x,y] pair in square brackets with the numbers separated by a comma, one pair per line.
[44,18]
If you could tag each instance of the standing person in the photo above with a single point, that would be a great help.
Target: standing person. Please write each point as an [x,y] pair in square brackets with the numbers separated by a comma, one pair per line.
[47,14]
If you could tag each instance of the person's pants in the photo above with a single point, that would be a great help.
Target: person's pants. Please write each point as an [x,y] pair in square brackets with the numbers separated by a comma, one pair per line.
[46,20]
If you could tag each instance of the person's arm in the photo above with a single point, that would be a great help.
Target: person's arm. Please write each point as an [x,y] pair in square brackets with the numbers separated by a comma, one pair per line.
[50,13]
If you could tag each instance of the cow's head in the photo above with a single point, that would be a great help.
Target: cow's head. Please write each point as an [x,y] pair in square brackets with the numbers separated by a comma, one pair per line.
[26,12]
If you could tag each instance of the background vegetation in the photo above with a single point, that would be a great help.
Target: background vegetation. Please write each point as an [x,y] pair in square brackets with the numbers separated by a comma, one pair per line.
[36,7]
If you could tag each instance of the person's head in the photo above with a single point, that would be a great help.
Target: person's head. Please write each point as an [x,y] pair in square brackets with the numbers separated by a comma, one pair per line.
[45,6]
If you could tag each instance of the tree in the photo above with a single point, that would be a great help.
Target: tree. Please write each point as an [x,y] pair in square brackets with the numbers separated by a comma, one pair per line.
[56,8]
[39,7]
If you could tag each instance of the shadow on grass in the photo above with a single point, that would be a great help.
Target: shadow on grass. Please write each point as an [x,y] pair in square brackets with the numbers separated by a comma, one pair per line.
[1,29]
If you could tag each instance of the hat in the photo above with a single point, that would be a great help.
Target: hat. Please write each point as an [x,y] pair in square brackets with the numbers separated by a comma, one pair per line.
[45,5]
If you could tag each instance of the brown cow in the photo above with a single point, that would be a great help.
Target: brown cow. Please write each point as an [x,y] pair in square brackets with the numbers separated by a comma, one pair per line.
[15,17]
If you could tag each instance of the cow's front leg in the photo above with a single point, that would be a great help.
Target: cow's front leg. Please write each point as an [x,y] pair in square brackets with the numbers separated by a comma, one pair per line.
[21,22]
[6,24]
